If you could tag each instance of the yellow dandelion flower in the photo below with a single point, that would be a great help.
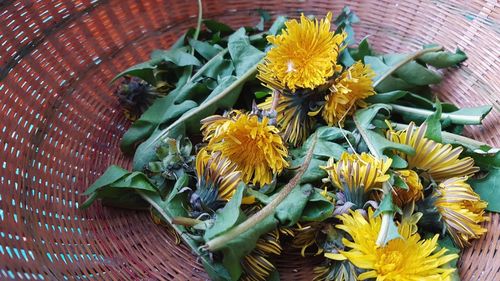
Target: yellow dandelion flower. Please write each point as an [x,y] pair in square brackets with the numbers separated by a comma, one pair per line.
[256,265]
[304,55]
[335,271]
[413,193]
[348,93]
[462,210]
[292,116]
[254,146]
[406,258]
[219,175]
[357,174]
[437,161]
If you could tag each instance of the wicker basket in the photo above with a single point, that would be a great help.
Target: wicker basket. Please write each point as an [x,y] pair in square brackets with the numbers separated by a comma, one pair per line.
[61,124]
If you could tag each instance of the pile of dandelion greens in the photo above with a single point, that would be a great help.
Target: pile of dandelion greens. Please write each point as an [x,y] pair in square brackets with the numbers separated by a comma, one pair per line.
[246,142]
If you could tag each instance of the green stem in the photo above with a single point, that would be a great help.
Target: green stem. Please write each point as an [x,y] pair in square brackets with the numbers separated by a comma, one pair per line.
[196,31]
[386,187]
[454,118]
[168,218]
[405,61]
[185,221]
[218,242]
[198,23]
[249,74]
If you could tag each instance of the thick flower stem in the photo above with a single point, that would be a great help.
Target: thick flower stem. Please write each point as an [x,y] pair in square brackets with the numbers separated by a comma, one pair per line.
[219,242]
[405,61]
[454,118]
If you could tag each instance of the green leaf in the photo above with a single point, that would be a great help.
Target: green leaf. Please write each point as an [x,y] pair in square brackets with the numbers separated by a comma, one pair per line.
[134,180]
[178,57]
[164,110]
[344,22]
[242,245]
[412,72]
[219,68]
[215,27]
[117,187]
[443,59]
[362,50]
[287,213]
[261,95]
[193,124]
[400,183]
[318,208]
[277,25]
[206,50]
[488,189]
[264,17]
[433,131]
[447,242]
[243,54]
[290,210]
[365,116]
[112,174]
[397,161]
[216,271]
[386,206]
[227,216]
[382,144]
[388,97]
[144,70]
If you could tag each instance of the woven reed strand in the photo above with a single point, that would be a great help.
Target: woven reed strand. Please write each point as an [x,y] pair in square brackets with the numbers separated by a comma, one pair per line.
[61,124]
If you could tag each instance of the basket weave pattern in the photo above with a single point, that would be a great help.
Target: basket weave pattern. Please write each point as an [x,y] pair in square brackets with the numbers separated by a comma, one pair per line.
[62,125]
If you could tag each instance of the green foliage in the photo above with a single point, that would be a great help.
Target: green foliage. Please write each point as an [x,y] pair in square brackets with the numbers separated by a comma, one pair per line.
[433,131]
[243,54]
[344,22]
[488,187]
[318,208]
[381,144]
[386,206]
[326,147]
[442,59]
[364,49]
[447,242]
[116,184]
[227,216]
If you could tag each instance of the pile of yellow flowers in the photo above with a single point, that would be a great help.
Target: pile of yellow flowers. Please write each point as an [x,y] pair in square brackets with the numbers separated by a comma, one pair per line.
[333,159]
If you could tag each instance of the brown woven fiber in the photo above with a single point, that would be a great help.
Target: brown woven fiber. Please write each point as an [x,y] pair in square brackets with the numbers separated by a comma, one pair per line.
[61,124]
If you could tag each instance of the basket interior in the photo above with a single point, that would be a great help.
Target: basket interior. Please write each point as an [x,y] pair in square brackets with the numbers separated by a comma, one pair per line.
[62,125]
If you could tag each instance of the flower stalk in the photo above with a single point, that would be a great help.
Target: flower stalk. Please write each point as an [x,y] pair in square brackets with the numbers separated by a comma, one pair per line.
[454,118]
